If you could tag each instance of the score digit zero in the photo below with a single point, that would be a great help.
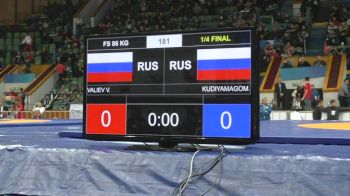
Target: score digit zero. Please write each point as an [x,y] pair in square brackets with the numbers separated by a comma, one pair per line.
[108,114]
[229,116]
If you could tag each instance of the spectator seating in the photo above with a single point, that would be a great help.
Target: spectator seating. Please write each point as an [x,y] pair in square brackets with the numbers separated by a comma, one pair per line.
[274,24]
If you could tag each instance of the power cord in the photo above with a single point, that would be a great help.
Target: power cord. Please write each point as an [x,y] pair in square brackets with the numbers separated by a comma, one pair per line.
[217,179]
[181,187]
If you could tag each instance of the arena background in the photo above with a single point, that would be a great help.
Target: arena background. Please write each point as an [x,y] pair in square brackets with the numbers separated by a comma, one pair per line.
[41,86]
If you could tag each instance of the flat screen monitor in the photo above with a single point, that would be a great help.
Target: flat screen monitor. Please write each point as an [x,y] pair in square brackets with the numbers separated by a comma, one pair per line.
[183,87]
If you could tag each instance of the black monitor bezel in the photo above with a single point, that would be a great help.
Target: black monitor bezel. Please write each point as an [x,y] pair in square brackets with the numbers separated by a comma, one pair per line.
[255,132]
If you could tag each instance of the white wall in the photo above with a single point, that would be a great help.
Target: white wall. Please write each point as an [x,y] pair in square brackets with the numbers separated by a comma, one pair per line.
[279,115]
[304,115]
[318,82]
[88,11]
[291,115]
[41,91]
[76,111]
[2,89]
[269,96]
[296,9]
[99,16]
[327,96]
[8,86]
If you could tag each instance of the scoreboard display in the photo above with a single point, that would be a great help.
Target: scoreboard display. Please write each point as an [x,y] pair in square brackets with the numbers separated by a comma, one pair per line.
[197,86]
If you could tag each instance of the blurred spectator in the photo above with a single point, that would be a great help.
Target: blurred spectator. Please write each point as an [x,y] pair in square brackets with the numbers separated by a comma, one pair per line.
[268,49]
[344,94]
[38,110]
[45,56]
[272,26]
[333,41]
[307,94]
[326,49]
[78,69]
[335,20]
[4,111]
[54,95]
[332,110]
[68,69]
[65,101]
[18,109]
[301,23]
[262,42]
[303,34]
[196,9]
[334,12]
[280,94]
[289,49]
[317,112]
[19,60]
[303,62]
[60,70]
[297,96]
[286,63]
[12,93]
[344,13]
[319,62]
[75,41]
[332,27]
[27,42]
[315,8]
[315,96]
[343,32]
[265,109]
[47,102]
[28,61]
[22,95]
[305,4]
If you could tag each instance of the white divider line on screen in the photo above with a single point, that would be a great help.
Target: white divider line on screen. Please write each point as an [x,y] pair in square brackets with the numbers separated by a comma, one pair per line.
[209,45]
[164,72]
[239,83]
[201,33]
[169,94]
[170,103]
[116,37]
[211,32]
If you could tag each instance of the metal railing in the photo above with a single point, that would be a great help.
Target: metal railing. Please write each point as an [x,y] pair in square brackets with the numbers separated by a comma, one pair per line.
[46,115]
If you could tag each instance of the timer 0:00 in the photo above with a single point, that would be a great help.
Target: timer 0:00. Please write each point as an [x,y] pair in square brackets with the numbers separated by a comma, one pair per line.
[165,119]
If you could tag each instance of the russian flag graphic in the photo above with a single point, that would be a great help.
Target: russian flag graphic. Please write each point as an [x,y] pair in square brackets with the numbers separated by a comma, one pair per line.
[224,64]
[109,67]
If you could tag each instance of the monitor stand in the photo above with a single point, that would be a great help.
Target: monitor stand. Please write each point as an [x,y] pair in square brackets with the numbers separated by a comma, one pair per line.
[164,146]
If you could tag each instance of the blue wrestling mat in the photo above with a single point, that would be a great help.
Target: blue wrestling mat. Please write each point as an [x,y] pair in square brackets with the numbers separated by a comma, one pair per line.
[35,160]
[284,131]
[305,132]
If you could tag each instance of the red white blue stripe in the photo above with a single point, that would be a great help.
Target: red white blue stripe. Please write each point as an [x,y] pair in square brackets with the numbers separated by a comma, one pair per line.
[110,67]
[224,64]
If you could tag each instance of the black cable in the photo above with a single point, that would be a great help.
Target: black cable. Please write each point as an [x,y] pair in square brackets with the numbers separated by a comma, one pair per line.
[217,179]
[183,186]
[214,162]
[196,175]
